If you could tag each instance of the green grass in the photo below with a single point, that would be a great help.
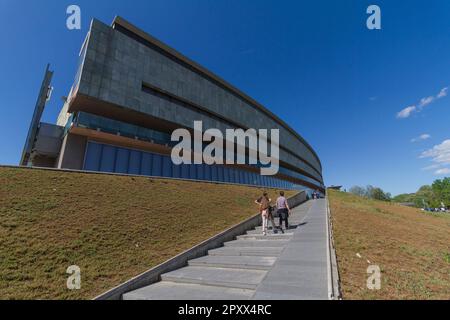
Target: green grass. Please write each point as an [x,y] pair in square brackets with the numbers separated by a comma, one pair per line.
[410,246]
[112,227]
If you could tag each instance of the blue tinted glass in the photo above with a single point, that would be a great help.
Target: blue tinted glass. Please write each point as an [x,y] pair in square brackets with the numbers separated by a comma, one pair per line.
[185,171]
[157,165]
[146,164]
[226,174]
[121,165]
[200,172]
[207,171]
[108,158]
[241,177]
[93,155]
[192,172]
[214,173]
[220,176]
[176,170]
[135,162]
[167,167]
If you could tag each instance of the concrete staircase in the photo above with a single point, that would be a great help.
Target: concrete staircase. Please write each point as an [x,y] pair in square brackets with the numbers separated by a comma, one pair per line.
[233,271]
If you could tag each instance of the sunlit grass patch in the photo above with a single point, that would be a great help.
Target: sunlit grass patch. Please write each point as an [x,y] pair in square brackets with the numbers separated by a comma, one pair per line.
[410,246]
[112,227]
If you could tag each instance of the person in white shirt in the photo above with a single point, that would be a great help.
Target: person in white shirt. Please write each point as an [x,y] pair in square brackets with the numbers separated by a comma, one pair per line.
[283,211]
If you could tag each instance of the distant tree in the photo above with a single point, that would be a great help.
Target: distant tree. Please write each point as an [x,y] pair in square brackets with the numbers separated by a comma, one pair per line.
[424,197]
[441,192]
[357,190]
[371,192]
[429,196]
[379,194]
[405,198]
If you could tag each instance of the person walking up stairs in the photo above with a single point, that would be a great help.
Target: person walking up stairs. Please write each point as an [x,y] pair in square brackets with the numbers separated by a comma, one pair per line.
[264,203]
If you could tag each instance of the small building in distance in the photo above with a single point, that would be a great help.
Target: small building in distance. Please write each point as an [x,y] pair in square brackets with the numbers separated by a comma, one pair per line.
[338,188]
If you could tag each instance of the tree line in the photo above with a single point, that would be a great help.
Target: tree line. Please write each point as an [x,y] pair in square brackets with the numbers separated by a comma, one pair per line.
[371,192]
[431,196]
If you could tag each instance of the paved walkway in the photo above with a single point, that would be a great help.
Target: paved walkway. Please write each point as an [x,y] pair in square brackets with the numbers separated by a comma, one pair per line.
[277,266]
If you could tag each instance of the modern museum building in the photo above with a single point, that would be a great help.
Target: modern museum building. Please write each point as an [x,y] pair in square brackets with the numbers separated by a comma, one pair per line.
[130,93]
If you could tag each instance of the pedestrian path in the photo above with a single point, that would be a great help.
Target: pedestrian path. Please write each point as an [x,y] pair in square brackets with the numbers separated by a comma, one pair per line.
[278,266]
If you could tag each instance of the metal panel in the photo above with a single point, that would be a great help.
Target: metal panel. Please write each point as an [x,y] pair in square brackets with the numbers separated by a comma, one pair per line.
[93,155]
[253,179]
[226,174]
[235,176]
[147,164]
[166,167]
[214,173]
[176,170]
[157,165]
[241,177]
[220,171]
[200,172]
[108,158]
[192,172]
[122,160]
[207,172]
[185,171]
[135,162]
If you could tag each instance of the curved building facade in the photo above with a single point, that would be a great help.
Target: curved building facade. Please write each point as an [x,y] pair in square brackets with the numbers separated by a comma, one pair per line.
[131,91]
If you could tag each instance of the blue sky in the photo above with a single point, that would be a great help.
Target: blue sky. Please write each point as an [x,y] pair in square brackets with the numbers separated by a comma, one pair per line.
[314,63]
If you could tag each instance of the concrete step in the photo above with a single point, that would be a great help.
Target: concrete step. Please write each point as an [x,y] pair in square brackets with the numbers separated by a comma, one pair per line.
[266,243]
[166,290]
[259,232]
[236,262]
[224,277]
[269,236]
[247,251]
[259,229]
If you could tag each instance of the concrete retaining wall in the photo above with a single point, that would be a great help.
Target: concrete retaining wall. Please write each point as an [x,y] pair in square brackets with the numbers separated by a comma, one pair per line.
[334,277]
[298,199]
[153,275]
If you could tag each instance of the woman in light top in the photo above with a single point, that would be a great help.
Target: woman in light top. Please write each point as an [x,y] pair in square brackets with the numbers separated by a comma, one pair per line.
[264,209]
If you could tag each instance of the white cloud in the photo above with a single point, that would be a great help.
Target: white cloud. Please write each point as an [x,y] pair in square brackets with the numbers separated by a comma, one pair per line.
[439,153]
[426,101]
[440,156]
[432,167]
[405,113]
[443,93]
[442,171]
[422,137]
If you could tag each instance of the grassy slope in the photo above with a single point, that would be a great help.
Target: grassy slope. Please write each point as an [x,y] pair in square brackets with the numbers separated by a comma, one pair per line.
[412,249]
[112,227]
